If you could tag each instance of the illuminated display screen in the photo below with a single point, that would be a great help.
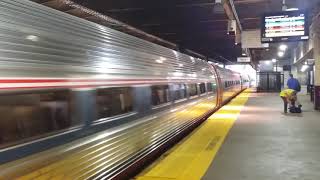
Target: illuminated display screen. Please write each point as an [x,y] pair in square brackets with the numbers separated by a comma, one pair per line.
[285,26]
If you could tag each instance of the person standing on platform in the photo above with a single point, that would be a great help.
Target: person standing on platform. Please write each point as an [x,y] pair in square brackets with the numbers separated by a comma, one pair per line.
[294,84]
[289,96]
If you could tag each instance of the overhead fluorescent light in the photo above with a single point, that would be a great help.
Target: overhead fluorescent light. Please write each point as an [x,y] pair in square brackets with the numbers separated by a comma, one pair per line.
[274,60]
[304,68]
[292,9]
[283,47]
[280,53]
[267,62]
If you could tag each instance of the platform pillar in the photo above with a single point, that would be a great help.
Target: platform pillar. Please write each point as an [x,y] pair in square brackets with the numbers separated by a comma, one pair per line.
[316,47]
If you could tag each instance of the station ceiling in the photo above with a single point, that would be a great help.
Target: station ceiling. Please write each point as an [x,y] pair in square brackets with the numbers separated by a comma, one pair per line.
[191,24]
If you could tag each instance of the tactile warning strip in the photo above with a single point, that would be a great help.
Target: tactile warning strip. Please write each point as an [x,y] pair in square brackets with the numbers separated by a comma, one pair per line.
[191,158]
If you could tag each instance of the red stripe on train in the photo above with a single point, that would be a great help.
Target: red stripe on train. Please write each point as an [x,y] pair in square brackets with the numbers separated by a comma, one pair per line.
[79,80]
[31,83]
[71,86]
[60,80]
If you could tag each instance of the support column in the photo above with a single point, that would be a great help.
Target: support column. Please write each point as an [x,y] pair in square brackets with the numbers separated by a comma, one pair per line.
[316,50]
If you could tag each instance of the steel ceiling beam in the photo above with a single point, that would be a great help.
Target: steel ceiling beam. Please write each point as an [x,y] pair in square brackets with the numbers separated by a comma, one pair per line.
[187,5]
[208,21]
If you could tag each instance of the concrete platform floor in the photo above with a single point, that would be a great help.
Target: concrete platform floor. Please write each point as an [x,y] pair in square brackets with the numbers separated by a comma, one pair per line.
[265,144]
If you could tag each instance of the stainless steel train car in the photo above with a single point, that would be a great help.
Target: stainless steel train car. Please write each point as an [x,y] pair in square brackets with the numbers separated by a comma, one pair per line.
[82,101]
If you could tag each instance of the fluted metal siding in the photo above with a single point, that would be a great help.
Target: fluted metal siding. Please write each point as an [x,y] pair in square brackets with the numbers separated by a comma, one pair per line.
[105,154]
[36,41]
[228,75]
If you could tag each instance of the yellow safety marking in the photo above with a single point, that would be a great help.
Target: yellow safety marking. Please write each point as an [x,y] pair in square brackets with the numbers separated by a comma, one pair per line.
[191,158]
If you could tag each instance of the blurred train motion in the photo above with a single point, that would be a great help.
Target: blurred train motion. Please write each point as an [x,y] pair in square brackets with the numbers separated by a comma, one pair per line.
[79,100]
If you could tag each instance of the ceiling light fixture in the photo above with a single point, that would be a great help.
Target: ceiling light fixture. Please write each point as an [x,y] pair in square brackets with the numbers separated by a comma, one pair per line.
[280,53]
[292,9]
[283,47]
[304,68]
[274,60]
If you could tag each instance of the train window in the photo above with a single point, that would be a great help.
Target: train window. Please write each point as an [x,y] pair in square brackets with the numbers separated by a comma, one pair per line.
[26,116]
[193,89]
[113,101]
[160,94]
[209,87]
[180,91]
[202,88]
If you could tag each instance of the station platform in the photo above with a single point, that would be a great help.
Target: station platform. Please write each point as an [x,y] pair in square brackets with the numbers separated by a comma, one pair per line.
[250,138]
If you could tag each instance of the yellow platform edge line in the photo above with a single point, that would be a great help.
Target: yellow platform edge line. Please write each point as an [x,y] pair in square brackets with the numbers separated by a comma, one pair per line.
[190,159]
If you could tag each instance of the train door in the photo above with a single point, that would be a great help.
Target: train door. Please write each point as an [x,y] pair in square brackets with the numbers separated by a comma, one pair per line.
[219,86]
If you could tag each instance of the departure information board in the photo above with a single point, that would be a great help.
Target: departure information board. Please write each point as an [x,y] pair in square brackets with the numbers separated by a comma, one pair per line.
[285,26]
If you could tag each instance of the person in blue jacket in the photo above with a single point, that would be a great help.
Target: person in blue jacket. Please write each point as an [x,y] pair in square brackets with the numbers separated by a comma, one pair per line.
[293,83]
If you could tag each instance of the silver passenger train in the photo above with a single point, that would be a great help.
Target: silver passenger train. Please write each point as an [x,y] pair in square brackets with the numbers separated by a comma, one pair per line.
[82,101]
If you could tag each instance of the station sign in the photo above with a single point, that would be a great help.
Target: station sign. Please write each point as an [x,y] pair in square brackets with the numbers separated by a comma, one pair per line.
[243,59]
